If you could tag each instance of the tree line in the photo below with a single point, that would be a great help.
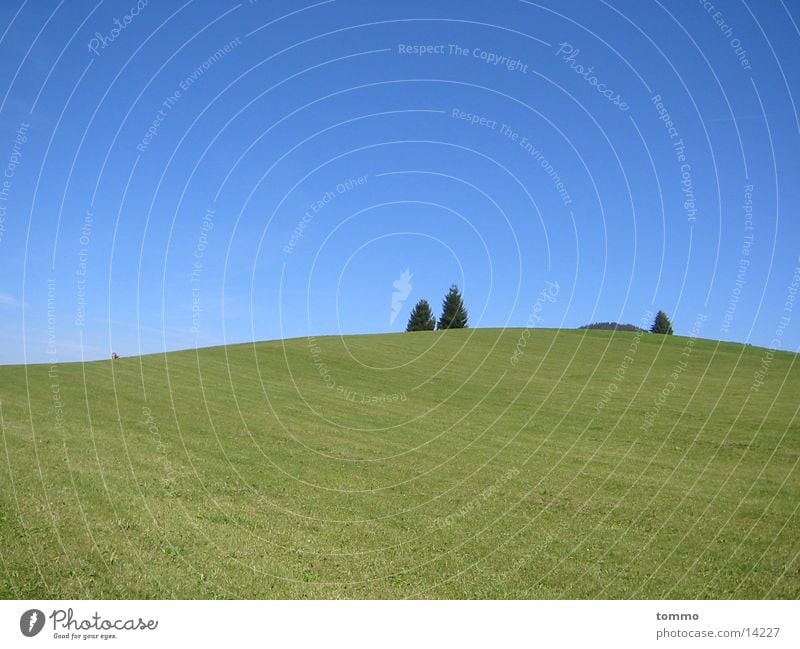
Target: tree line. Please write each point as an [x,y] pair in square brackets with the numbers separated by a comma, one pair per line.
[661,325]
[454,314]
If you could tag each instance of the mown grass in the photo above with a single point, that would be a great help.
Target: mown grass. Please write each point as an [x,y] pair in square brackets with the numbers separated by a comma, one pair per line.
[242,472]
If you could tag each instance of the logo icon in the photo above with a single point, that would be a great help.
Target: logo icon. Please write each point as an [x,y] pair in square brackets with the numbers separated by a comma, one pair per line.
[402,286]
[31,622]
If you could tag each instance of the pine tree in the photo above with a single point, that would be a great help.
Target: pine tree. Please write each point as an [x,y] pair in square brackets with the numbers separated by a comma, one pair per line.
[421,318]
[661,325]
[454,313]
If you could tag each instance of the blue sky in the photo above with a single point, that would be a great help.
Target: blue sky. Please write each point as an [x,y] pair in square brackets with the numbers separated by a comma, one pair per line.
[223,172]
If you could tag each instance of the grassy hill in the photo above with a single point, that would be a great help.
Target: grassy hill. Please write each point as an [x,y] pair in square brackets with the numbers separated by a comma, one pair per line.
[470,464]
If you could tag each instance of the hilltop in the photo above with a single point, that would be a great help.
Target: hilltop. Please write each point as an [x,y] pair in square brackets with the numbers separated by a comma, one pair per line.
[612,326]
[472,463]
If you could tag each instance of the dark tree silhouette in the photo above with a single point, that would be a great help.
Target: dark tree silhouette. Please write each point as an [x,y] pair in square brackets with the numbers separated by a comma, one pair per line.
[661,325]
[454,313]
[421,318]
[613,326]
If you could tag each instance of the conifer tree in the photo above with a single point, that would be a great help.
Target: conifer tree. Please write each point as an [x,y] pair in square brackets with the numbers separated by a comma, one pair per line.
[454,313]
[661,325]
[421,318]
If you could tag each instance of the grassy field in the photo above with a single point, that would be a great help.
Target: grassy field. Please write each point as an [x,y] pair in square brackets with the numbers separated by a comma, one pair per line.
[462,464]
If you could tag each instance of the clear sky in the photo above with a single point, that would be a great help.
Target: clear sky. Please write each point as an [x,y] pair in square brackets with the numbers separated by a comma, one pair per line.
[194,174]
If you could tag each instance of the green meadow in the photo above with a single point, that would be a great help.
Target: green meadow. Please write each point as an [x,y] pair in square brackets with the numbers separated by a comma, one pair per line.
[477,463]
